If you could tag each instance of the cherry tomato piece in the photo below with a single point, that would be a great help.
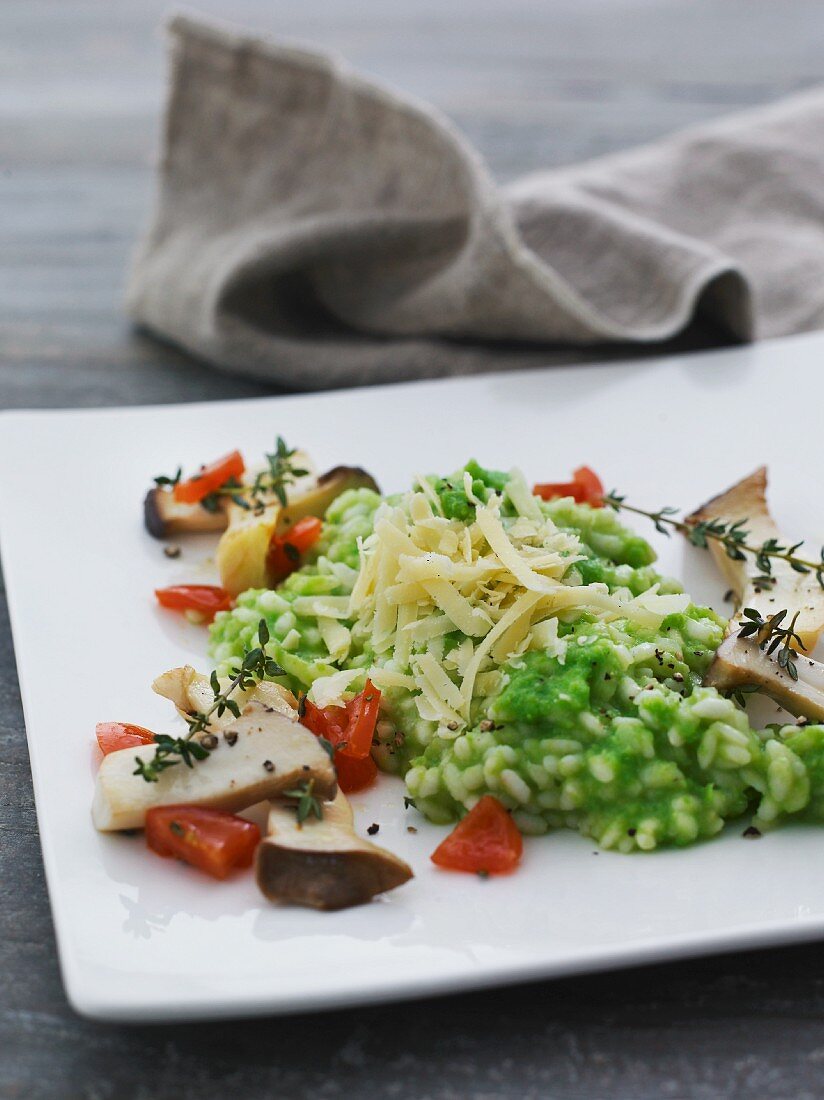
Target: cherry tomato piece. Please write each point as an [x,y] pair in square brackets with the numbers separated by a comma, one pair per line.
[486,841]
[286,550]
[211,840]
[590,486]
[363,716]
[112,736]
[328,722]
[209,478]
[355,774]
[585,488]
[552,490]
[204,599]
[349,730]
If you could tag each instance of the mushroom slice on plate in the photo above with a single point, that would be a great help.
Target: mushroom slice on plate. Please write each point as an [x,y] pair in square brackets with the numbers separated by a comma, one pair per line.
[191,692]
[165,516]
[243,550]
[323,864]
[740,663]
[244,545]
[747,502]
[327,488]
[260,755]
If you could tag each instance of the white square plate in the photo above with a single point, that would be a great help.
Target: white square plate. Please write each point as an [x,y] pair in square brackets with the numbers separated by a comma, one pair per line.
[146,939]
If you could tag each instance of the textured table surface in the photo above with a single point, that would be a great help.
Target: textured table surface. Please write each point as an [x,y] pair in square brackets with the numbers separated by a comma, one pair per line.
[533,83]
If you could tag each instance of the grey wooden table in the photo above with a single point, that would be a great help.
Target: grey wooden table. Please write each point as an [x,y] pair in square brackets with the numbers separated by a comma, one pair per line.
[533,82]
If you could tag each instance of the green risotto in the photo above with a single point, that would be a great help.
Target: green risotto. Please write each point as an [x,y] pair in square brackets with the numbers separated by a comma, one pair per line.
[527,650]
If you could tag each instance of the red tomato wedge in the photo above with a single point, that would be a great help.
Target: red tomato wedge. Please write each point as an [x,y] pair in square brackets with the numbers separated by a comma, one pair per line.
[211,840]
[328,722]
[204,599]
[586,488]
[355,774]
[590,486]
[363,717]
[349,730]
[209,478]
[486,841]
[112,736]
[286,550]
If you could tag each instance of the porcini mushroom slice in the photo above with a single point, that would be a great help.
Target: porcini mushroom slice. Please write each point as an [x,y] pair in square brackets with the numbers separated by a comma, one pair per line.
[191,691]
[165,516]
[243,550]
[270,754]
[747,500]
[244,545]
[327,488]
[739,662]
[323,864]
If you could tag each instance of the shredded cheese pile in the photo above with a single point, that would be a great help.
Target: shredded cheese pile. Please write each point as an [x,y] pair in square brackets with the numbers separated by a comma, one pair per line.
[501,580]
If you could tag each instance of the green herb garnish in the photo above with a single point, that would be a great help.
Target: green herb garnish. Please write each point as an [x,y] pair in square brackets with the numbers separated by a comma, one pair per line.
[162,480]
[772,636]
[280,473]
[732,536]
[170,751]
[307,804]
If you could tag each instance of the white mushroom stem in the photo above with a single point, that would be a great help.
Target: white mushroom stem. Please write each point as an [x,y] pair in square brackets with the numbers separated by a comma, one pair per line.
[269,755]
[740,663]
[323,864]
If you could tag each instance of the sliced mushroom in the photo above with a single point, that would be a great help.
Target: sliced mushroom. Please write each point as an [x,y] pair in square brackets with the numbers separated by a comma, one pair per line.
[740,663]
[323,864]
[269,755]
[747,500]
[191,691]
[165,516]
[244,545]
[327,488]
[243,550]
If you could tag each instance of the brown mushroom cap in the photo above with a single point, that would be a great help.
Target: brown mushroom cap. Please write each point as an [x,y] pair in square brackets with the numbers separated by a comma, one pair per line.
[323,864]
[328,487]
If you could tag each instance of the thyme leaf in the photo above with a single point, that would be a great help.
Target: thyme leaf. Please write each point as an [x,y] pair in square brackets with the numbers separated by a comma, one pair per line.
[170,751]
[734,537]
[739,693]
[162,480]
[307,805]
[773,637]
[281,471]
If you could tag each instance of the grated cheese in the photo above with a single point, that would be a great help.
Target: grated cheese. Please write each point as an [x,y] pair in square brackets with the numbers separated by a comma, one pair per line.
[500,581]
[336,637]
[328,691]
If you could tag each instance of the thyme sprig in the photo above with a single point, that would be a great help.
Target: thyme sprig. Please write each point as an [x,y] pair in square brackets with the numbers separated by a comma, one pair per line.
[170,751]
[740,692]
[281,472]
[162,481]
[307,804]
[772,636]
[732,536]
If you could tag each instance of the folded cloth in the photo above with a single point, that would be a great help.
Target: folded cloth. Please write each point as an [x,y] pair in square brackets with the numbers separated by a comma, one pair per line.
[316,229]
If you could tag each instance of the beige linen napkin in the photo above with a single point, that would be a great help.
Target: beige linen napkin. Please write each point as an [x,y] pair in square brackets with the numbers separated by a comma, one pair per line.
[316,229]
